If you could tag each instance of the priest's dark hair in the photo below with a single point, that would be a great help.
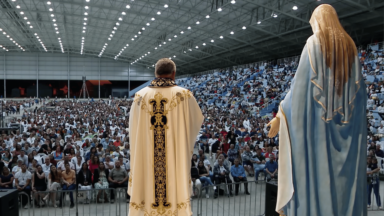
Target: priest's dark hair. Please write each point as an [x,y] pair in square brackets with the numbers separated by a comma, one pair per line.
[165,66]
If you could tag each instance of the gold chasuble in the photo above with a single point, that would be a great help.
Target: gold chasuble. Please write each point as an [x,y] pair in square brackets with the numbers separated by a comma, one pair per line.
[163,124]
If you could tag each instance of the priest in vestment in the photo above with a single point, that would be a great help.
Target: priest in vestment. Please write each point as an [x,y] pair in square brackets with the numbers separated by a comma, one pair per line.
[322,124]
[164,122]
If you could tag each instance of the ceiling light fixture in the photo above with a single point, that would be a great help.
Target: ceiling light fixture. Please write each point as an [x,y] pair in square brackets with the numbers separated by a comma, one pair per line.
[221,37]
[166,6]
[295,7]
[233,2]
[207,16]
[244,28]
[219,9]
[197,23]
[258,22]
[232,32]
[158,12]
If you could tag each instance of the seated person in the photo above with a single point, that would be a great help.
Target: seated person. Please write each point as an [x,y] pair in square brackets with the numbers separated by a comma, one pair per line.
[100,180]
[38,184]
[118,178]
[247,163]
[204,175]
[84,181]
[271,168]
[238,174]
[196,183]
[109,164]
[221,173]
[69,183]
[6,179]
[22,183]
[17,168]
[258,163]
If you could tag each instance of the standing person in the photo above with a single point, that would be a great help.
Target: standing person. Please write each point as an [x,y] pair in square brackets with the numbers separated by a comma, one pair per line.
[323,135]
[373,182]
[163,125]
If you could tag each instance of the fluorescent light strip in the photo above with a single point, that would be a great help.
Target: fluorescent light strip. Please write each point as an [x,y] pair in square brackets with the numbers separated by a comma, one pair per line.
[3,47]
[140,32]
[56,28]
[182,32]
[86,12]
[31,26]
[113,32]
[11,39]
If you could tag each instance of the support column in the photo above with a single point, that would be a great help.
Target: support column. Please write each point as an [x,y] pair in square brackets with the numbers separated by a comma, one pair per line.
[129,79]
[37,76]
[99,75]
[5,80]
[69,85]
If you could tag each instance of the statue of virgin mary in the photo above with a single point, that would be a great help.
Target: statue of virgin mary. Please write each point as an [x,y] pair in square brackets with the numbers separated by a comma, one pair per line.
[322,124]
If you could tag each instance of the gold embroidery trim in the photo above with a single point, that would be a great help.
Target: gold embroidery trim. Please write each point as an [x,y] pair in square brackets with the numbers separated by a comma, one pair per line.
[130,178]
[179,97]
[141,207]
[159,126]
[316,97]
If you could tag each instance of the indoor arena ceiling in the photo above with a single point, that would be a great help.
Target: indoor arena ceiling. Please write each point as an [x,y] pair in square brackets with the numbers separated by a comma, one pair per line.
[198,35]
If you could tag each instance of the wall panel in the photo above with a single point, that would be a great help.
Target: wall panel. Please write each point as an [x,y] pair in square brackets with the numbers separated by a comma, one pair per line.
[54,66]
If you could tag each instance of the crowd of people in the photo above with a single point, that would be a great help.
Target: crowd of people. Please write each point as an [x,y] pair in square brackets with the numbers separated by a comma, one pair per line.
[85,144]
[75,144]
[373,67]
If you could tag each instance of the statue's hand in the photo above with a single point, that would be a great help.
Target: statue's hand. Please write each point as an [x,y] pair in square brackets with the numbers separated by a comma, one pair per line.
[275,125]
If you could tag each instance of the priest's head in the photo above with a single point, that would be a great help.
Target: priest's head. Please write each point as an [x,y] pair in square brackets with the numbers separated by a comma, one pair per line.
[165,68]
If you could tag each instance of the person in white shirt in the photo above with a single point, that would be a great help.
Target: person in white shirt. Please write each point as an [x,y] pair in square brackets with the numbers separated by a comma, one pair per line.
[17,168]
[380,109]
[109,164]
[380,130]
[370,102]
[22,183]
[61,167]
[46,166]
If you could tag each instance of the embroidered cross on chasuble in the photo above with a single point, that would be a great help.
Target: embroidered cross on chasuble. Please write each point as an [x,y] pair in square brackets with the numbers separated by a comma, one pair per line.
[164,122]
